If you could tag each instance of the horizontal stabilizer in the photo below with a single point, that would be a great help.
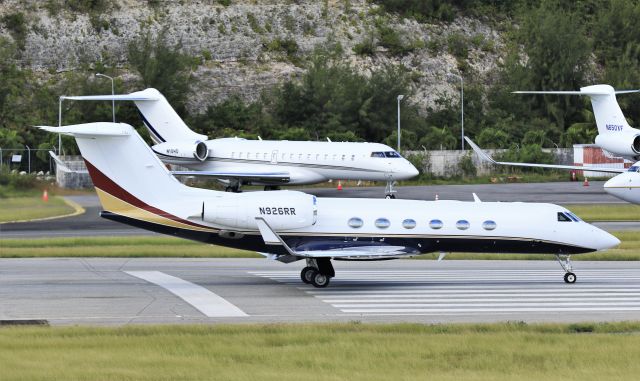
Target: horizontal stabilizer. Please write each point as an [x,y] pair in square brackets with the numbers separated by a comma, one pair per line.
[486,157]
[61,166]
[118,97]
[91,129]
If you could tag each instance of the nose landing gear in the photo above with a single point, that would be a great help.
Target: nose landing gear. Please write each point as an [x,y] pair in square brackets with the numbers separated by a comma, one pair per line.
[389,191]
[565,262]
[318,272]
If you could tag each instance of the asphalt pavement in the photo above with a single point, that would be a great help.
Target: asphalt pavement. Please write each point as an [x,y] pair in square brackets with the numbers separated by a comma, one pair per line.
[117,291]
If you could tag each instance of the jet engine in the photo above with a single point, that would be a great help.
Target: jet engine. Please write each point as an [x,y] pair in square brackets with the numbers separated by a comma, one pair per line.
[627,145]
[282,210]
[183,150]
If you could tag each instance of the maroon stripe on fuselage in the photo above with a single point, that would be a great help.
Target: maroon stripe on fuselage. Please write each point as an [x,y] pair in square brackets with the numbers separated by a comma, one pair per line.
[101,181]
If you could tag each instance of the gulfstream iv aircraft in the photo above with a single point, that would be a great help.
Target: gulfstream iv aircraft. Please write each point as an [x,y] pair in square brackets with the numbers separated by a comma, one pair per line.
[260,162]
[135,188]
[614,133]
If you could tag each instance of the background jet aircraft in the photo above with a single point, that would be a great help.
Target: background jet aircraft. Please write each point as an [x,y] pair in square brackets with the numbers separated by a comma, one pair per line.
[261,162]
[614,133]
[625,186]
[135,188]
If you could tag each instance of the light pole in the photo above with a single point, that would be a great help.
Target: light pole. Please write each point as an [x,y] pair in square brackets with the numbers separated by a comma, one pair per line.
[399,99]
[461,106]
[113,101]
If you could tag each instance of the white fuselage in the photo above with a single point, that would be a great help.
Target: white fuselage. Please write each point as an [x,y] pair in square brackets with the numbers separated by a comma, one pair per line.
[626,185]
[305,162]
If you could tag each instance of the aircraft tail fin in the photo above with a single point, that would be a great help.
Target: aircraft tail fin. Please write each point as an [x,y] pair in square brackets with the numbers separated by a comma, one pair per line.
[109,149]
[609,116]
[162,121]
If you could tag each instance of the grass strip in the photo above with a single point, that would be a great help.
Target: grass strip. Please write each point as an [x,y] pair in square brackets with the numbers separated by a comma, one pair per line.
[154,246]
[29,208]
[133,247]
[606,212]
[349,351]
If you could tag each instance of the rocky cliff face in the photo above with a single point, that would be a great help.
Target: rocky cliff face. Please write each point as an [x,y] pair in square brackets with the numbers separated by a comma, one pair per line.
[241,45]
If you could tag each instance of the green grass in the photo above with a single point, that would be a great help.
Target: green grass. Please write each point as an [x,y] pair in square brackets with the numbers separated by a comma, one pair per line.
[28,208]
[116,247]
[606,212]
[162,246]
[350,351]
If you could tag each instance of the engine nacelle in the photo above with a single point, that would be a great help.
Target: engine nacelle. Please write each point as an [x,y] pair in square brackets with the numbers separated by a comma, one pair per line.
[183,150]
[627,145]
[283,210]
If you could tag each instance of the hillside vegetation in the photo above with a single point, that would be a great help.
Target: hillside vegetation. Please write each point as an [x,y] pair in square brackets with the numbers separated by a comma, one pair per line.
[310,70]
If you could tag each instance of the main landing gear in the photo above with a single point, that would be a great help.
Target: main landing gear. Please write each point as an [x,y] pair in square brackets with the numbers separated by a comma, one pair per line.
[234,186]
[389,191]
[565,262]
[318,272]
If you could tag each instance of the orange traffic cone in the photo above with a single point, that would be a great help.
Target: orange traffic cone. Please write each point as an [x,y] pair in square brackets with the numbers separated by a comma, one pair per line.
[45,196]
[437,198]
[586,182]
[339,185]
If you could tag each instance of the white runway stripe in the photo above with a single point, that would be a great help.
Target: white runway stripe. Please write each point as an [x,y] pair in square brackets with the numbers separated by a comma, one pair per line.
[199,297]
[456,292]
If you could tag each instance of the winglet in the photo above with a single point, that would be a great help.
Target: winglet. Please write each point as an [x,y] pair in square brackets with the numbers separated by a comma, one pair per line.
[476,198]
[481,154]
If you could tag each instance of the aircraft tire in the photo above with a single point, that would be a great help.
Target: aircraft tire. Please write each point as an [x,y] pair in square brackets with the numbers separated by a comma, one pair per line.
[307,274]
[390,196]
[320,280]
[570,278]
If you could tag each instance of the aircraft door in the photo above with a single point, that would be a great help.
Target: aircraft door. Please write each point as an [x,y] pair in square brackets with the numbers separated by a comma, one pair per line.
[274,157]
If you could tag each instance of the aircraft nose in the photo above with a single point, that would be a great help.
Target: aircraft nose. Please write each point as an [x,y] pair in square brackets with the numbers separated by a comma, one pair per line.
[622,186]
[604,240]
[408,170]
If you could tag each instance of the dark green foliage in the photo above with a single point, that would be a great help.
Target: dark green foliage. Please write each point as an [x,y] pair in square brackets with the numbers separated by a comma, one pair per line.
[421,10]
[467,167]
[86,6]
[366,47]
[17,26]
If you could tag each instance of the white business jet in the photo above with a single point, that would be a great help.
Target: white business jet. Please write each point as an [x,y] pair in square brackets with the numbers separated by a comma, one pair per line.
[614,133]
[135,188]
[625,186]
[271,163]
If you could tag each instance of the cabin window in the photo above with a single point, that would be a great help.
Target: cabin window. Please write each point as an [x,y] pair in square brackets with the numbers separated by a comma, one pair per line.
[382,223]
[409,223]
[356,222]
[343,156]
[377,154]
[233,155]
[266,156]
[563,217]
[299,156]
[435,224]
[334,156]
[248,155]
[309,156]
[326,156]
[489,225]
[353,157]
[291,156]
[240,155]
[317,156]
[462,224]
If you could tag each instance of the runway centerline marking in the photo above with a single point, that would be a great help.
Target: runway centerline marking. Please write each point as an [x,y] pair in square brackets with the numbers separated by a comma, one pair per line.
[202,299]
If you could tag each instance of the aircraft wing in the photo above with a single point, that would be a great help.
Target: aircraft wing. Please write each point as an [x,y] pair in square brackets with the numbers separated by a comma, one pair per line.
[267,177]
[270,237]
[486,157]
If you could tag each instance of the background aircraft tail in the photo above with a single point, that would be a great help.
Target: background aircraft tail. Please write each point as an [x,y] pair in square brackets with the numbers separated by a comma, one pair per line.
[162,121]
[609,116]
[126,173]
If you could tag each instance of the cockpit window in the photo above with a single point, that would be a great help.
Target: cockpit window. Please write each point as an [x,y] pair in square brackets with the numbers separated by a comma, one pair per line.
[634,168]
[377,154]
[392,154]
[573,216]
[563,217]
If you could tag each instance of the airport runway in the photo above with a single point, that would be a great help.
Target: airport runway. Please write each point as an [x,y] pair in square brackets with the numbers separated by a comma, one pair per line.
[138,291]
[90,224]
